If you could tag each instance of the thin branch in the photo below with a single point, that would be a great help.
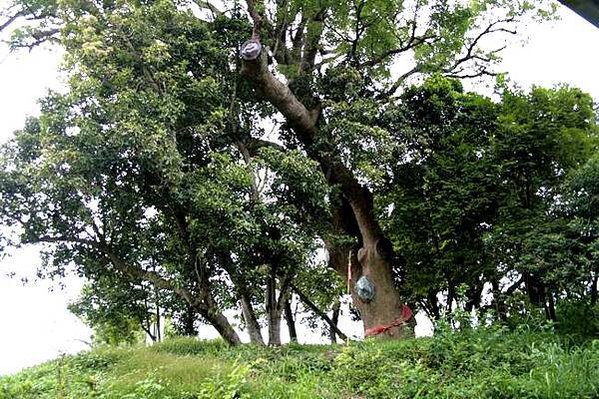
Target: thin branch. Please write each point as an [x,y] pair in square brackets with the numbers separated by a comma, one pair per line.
[412,43]
[216,12]
[10,20]
[253,145]
[319,312]
[472,47]
[257,17]
[399,81]
[482,72]
[40,37]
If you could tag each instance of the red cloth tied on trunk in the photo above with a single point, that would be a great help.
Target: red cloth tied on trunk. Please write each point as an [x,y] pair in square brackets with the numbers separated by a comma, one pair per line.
[406,314]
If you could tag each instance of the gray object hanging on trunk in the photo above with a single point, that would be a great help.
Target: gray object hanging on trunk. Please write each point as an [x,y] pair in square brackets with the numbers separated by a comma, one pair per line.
[365,289]
[250,50]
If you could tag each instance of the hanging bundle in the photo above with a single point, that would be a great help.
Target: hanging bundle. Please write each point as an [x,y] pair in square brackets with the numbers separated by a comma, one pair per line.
[365,289]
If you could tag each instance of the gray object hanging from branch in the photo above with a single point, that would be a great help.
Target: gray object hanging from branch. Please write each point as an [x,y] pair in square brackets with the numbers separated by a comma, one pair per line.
[250,50]
[365,289]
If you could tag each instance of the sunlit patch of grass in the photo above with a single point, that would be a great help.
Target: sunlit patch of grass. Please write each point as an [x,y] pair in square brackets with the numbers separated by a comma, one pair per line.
[178,374]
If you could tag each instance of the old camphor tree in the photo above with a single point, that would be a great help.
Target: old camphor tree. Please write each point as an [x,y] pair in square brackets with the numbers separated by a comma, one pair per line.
[205,151]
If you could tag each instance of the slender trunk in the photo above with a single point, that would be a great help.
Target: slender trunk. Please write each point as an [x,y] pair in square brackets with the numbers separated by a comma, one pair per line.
[498,297]
[272,310]
[335,320]
[146,322]
[158,335]
[594,281]
[251,321]
[551,306]
[148,332]
[189,317]
[290,321]
[450,297]
[433,305]
[474,297]
[222,325]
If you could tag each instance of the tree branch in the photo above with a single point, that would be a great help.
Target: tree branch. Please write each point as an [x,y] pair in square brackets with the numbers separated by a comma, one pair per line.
[303,122]
[10,20]
[208,5]
[256,8]
[472,46]
[153,277]
[319,312]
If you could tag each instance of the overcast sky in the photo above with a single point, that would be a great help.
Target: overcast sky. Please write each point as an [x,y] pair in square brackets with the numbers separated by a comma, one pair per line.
[35,323]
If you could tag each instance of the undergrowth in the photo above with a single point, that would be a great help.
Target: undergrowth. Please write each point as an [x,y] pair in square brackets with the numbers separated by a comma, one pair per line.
[488,362]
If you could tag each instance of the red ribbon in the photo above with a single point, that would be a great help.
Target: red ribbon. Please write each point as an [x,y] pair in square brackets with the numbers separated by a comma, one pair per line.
[406,314]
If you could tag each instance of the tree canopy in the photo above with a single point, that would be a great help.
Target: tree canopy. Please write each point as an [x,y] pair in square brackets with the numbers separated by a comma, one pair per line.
[205,155]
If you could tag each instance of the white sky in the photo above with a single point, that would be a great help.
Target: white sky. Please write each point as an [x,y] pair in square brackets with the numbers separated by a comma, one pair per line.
[35,324]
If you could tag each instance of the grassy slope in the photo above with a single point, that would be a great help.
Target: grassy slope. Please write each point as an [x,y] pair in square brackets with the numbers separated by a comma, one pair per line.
[485,363]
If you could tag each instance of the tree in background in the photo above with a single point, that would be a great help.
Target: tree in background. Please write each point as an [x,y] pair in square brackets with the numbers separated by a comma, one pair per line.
[482,196]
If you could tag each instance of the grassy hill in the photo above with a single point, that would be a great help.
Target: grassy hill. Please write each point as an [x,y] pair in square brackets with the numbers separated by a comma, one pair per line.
[482,363]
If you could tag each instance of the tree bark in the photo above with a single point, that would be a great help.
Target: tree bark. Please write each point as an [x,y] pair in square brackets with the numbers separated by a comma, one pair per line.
[290,321]
[274,328]
[222,325]
[335,320]
[375,255]
[272,310]
[386,306]
[251,321]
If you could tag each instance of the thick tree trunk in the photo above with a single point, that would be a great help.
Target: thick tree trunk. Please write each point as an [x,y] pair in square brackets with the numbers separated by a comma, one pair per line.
[386,307]
[373,261]
[375,255]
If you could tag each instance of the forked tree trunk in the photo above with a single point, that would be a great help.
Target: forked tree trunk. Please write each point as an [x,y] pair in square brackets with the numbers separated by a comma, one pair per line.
[274,309]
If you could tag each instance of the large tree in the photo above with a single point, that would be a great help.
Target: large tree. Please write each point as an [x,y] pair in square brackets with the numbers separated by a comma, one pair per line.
[204,144]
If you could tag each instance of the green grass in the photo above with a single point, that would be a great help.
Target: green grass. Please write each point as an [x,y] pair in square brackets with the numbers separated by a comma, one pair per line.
[482,363]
